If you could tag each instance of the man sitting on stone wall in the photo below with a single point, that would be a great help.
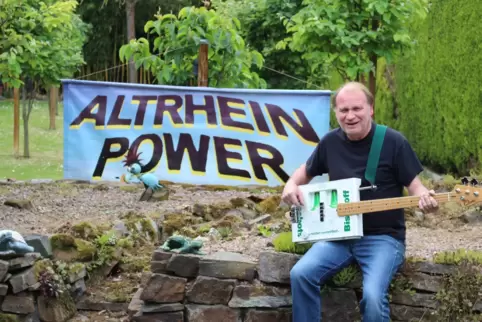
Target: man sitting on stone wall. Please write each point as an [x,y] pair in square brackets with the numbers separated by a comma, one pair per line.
[343,153]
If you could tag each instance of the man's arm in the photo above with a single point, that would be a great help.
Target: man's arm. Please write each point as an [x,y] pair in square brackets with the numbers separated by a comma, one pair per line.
[416,187]
[300,176]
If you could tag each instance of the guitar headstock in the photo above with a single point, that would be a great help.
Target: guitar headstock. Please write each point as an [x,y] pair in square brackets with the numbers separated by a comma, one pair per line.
[469,192]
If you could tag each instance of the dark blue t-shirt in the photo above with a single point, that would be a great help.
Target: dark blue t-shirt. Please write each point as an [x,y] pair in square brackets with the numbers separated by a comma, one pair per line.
[341,158]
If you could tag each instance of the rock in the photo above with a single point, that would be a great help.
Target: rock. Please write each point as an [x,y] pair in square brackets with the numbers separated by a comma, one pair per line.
[471,217]
[259,295]
[120,229]
[6,278]
[77,289]
[159,308]
[164,289]
[22,280]
[210,290]
[76,272]
[275,267]
[417,299]
[21,262]
[227,265]
[159,261]
[136,303]
[142,225]
[184,265]
[20,304]
[39,181]
[431,268]
[8,254]
[54,310]
[279,315]
[339,305]
[40,243]
[159,195]
[418,215]
[19,204]
[3,269]
[409,313]
[211,313]
[90,304]
[425,282]
[159,317]
[3,289]
[248,214]
[214,234]
[260,220]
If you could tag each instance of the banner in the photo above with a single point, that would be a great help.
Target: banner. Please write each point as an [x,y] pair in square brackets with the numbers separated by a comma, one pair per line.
[194,135]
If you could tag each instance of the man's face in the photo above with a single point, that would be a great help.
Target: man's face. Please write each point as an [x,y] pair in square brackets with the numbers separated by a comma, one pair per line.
[353,113]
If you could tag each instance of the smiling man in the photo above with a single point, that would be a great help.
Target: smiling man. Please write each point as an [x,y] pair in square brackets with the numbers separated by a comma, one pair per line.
[343,153]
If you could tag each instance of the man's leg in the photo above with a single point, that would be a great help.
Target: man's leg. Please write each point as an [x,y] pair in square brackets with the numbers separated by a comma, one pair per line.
[379,258]
[322,261]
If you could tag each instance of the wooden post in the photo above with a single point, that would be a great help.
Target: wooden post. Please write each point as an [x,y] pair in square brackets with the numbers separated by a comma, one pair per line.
[202,75]
[16,121]
[54,93]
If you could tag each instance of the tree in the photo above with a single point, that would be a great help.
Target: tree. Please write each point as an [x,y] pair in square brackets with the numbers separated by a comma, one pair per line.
[176,40]
[42,42]
[262,29]
[350,35]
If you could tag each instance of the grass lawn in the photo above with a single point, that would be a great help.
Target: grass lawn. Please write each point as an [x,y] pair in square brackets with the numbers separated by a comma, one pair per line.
[46,146]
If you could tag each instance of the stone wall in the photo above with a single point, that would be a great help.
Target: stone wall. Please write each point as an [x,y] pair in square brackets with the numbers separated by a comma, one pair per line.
[228,287]
[21,293]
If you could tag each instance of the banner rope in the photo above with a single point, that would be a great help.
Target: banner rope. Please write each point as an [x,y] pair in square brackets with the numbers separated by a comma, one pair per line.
[265,67]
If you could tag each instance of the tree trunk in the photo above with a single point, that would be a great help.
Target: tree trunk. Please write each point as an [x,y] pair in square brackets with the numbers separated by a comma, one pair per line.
[131,34]
[53,96]
[26,150]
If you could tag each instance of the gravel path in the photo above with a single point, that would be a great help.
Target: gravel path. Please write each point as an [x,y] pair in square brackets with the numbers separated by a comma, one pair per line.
[59,204]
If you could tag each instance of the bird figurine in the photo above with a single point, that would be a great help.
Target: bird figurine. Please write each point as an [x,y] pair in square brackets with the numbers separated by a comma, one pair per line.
[135,170]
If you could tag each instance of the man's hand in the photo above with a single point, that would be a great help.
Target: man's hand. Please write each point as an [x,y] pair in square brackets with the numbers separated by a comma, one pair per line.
[427,202]
[292,195]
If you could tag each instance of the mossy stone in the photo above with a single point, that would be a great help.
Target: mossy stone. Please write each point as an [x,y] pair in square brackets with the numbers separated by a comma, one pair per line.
[85,230]
[7,317]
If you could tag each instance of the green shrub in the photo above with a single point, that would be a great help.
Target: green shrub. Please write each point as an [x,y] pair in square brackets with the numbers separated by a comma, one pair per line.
[433,95]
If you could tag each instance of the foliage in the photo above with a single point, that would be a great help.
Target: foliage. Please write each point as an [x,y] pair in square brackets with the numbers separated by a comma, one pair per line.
[105,250]
[345,35]
[436,89]
[264,230]
[283,243]
[41,40]
[459,294]
[177,40]
[459,256]
[262,28]
[50,283]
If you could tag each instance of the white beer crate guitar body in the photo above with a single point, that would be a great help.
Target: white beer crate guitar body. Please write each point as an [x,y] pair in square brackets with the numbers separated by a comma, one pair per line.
[333,211]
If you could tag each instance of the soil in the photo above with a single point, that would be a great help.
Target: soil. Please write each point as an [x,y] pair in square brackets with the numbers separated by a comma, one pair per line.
[60,204]
[56,205]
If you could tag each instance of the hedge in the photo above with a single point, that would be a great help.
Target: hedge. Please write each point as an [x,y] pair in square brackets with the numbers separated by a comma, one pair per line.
[437,103]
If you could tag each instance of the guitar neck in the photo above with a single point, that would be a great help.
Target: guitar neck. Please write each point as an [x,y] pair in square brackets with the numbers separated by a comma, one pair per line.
[360,207]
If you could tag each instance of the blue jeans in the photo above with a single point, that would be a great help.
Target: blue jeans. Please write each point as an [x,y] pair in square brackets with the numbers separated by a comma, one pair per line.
[379,258]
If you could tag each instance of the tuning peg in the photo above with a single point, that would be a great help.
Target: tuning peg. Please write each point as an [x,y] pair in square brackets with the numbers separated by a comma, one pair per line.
[465,181]
[474,182]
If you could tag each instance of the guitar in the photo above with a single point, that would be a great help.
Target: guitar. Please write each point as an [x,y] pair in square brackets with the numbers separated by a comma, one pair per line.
[466,194]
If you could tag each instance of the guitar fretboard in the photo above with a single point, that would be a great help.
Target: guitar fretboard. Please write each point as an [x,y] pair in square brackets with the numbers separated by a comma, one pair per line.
[367,206]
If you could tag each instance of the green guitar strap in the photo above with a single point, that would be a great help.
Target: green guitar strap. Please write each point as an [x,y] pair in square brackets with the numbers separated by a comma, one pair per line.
[374,155]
